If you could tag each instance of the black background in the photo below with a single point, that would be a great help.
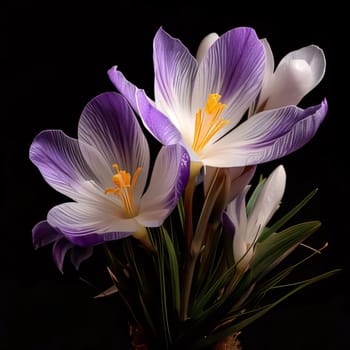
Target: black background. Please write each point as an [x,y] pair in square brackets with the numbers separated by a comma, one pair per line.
[54,58]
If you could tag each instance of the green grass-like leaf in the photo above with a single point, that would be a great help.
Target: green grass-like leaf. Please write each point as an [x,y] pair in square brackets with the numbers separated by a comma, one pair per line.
[277,245]
[256,314]
[278,224]
[254,196]
[173,270]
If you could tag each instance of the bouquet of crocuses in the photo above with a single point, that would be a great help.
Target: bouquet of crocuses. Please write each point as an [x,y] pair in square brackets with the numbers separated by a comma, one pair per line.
[189,242]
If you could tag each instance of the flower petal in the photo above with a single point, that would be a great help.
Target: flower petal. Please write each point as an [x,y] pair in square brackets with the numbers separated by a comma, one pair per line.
[59,251]
[109,125]
[268,76]
[156,122]
[60,162]
[239,178]
[169,178]
[204,45]
[77,254]
[125,87]
[295,76]
[233,67]
[236,212]
[152,217]
[87,224]
[174,70]
[267,203]
[239,183]
[266,136]
[80,254]
[44,234]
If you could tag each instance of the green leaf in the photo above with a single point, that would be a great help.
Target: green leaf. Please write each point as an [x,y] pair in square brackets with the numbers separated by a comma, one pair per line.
[173,270]
[254,196]
[256,314]
[211,263]
[140,277]
[277,245]
[201,309]
[278,224]
[262,288]
[181,212]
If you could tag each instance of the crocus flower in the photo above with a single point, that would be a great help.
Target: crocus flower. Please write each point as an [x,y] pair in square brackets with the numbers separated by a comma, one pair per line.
[296,75]
[104,172]
[201,102]
[247,227]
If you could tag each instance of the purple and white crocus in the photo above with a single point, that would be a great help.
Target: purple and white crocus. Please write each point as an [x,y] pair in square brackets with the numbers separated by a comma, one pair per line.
[104,172]
[202,102]
[247,227]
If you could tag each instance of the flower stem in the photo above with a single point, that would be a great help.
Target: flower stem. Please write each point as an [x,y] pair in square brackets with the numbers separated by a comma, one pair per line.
[196,245]
[188,202]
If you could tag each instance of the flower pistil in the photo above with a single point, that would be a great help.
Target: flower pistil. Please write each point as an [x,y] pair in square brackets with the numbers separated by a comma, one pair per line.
[124,188]
[208,122]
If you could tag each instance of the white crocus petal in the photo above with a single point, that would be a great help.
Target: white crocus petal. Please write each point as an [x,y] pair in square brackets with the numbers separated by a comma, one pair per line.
[269,59]
[176,107]
[290,84]
[152,218]
[248,229]
[163,188]
[205,44]
[295,76]
[97,162]
[75,218]
[269,69]
[236,211]
[267,203]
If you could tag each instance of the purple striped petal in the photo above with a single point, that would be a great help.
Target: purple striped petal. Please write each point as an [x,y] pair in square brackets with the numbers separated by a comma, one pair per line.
[60,162]
[62,247]
[59,251]
[174,70]
[109,125]
[80,254]
[125,87]
[156,122]
[169,178]
[44,234]
[267,136]
[85,240]
[234,68]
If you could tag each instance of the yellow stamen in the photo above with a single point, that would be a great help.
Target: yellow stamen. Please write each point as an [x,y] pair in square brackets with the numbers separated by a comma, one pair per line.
[208,122]
[124,188]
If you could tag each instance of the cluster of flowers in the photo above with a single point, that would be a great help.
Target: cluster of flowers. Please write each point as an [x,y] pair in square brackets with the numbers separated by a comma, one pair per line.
[188,241]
